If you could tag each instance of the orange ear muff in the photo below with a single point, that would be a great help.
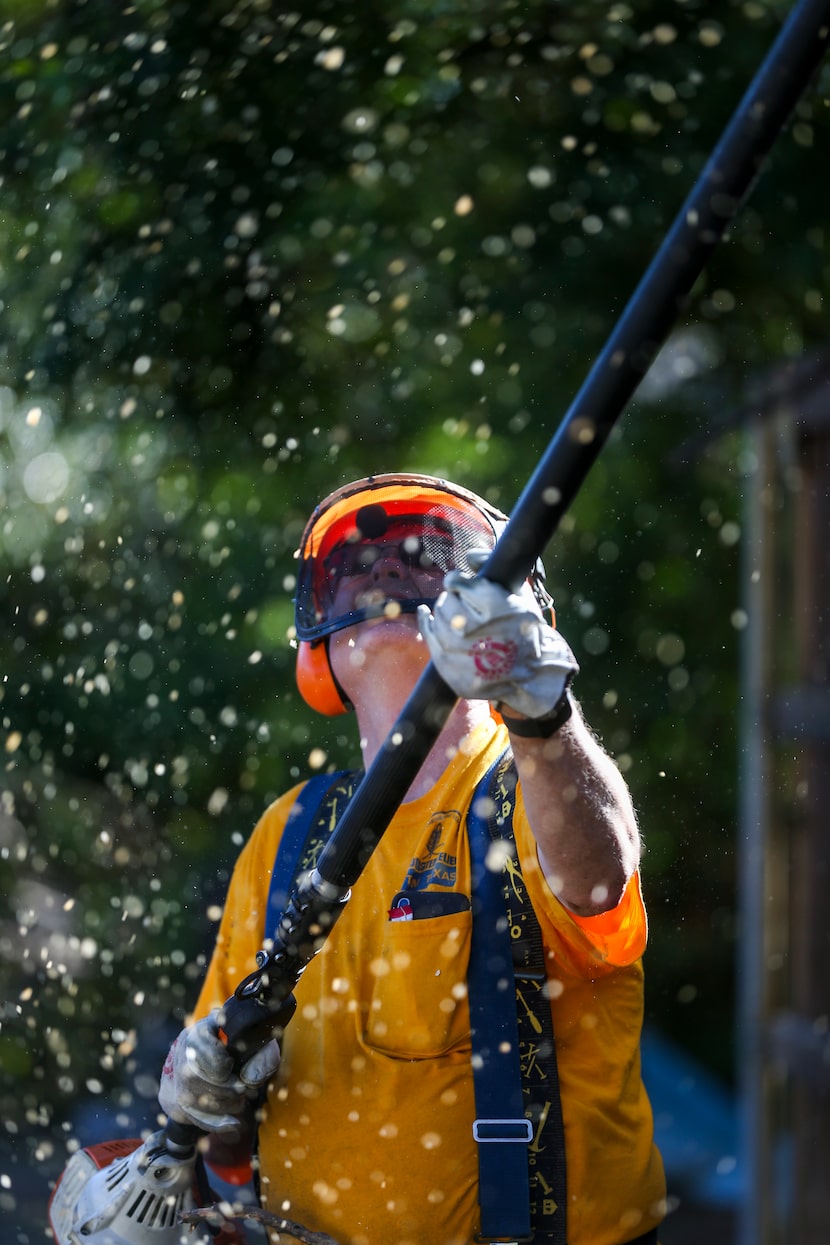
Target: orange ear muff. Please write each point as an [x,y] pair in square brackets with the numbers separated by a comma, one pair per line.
[315,679]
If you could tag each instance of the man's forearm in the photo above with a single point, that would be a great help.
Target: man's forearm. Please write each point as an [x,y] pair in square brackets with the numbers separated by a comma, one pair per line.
[581,814]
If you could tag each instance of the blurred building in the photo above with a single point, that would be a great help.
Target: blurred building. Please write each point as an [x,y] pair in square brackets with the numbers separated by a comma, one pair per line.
[784,967]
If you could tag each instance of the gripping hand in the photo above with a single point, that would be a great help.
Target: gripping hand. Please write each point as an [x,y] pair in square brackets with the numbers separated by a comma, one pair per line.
[491,644]
[199,1085]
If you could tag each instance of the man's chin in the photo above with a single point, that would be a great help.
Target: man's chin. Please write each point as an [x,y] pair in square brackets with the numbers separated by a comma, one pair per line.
[381,605]
[375,639]
[392,618]
[387,625]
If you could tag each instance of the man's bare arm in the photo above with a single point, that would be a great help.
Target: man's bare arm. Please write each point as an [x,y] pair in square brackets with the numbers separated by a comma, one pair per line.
[581,814]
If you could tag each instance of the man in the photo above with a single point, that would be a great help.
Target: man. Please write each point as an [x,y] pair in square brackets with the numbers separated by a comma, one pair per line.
[366,1131]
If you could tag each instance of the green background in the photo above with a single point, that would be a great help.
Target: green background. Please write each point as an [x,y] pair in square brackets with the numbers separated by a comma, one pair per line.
[247,255]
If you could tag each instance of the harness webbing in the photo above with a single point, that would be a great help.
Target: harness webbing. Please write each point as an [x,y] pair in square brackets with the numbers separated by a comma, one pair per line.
[521,1173]
[501,1130]
[489,822]
[307,830]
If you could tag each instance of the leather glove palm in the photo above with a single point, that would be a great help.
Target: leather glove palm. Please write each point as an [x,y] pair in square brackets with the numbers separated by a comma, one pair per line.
[491,644]
[199,1085]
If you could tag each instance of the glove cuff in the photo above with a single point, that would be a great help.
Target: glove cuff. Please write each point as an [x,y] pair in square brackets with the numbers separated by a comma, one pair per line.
[540,728]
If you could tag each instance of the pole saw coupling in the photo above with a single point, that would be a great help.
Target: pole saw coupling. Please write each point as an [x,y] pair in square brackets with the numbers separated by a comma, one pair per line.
[124,1193]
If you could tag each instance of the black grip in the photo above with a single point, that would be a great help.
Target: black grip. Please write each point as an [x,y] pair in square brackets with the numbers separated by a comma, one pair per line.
[180,1139]
[249,1023]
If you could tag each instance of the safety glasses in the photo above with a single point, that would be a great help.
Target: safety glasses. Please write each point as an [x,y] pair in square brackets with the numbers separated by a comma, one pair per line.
[427,551]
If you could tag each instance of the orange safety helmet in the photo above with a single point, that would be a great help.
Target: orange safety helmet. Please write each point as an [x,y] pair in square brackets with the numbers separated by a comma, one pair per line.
[438,524]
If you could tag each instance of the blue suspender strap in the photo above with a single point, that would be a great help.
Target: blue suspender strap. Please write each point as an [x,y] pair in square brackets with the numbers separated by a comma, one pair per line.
[501,1129]
[294,839]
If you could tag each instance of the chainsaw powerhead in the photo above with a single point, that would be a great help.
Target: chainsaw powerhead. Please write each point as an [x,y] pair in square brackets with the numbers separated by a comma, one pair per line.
[125,1193]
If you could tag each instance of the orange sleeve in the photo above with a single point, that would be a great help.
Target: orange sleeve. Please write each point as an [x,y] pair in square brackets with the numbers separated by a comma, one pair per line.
[620,934]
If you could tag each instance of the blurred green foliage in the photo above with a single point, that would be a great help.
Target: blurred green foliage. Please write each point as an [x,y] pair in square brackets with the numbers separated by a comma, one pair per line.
[248,254]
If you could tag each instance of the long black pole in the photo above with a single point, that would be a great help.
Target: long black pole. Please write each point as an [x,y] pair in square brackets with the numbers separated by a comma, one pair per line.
[642,328]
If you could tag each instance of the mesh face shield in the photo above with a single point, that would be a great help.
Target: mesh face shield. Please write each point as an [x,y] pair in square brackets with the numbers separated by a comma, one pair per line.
[382,546]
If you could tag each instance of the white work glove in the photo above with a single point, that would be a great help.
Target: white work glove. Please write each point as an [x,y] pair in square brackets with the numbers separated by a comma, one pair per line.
[491,644]
[199,1085]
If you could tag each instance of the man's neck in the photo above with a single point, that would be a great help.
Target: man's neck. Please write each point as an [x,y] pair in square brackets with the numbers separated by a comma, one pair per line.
[376,721]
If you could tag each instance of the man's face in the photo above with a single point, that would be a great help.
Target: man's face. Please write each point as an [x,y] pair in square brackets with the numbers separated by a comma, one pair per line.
[376,576]
[382,559]
[402,564]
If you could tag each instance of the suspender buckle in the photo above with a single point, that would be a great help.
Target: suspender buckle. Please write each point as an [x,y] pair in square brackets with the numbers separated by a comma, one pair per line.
[503,1130]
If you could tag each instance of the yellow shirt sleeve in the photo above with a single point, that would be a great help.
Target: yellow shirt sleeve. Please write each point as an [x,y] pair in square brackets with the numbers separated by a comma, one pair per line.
[242,928]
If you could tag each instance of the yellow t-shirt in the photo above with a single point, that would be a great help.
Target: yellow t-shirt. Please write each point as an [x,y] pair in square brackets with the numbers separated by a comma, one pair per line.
[367,1129]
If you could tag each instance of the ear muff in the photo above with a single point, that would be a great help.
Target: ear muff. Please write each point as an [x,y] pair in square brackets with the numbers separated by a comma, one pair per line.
[315,680]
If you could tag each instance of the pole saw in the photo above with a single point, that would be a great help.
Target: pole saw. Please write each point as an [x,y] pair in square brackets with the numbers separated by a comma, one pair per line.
[127,1193]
